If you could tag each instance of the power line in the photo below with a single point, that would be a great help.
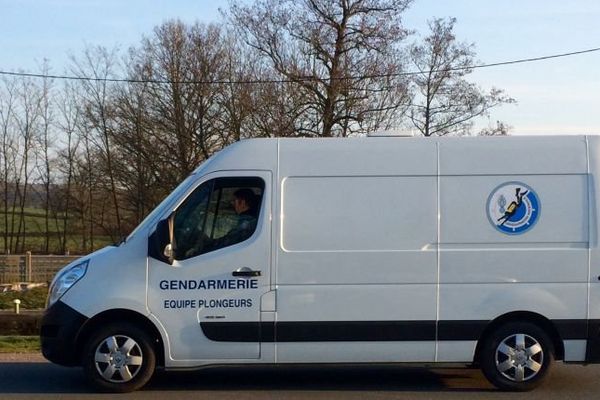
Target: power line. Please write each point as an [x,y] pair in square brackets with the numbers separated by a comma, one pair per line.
[290,80]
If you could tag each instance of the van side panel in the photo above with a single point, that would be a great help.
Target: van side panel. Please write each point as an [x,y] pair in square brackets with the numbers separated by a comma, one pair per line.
[524,155]
[541,266]
[358,214]
[357,255]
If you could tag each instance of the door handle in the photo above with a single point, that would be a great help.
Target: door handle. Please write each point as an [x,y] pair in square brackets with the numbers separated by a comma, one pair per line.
[245,271]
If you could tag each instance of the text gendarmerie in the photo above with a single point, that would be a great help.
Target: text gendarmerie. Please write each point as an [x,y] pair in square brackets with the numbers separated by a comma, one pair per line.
[209,284]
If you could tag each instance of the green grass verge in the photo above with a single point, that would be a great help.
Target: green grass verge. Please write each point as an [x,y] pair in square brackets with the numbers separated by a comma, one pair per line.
[19,344]
[32,299]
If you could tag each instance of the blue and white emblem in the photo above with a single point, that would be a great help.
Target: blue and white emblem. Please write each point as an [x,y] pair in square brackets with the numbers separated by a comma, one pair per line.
[513,208]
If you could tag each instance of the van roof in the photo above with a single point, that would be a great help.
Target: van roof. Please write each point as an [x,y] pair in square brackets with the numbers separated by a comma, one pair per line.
[417,155]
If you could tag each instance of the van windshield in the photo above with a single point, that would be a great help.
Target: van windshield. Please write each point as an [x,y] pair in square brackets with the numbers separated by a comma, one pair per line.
[176,193]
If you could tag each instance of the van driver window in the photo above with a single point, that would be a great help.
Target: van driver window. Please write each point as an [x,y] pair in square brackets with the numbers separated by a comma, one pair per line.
[219,213]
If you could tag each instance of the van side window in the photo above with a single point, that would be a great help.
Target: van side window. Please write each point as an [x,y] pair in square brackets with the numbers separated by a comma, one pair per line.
[219,213]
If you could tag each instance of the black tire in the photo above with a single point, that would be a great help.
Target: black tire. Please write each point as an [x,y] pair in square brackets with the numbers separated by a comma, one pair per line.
[517,356]
[119,358]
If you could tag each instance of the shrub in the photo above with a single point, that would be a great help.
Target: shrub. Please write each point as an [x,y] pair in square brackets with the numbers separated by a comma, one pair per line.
[31,299]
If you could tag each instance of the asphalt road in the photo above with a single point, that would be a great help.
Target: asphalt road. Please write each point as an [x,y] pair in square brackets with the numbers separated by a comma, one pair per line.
[41,380]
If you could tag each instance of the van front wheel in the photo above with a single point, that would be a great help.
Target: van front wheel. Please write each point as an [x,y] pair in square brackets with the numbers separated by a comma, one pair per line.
[119,358]
[517,356]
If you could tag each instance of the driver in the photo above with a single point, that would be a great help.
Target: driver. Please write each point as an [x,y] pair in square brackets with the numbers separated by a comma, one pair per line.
[245,204]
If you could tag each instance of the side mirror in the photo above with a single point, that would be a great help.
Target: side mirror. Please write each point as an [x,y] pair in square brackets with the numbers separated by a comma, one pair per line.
[161,242]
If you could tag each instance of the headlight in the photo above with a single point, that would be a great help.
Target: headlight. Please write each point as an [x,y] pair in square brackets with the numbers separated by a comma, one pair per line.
[65,280]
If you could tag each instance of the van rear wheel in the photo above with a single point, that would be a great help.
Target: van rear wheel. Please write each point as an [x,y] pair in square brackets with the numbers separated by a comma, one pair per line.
[119,358]
[517,356]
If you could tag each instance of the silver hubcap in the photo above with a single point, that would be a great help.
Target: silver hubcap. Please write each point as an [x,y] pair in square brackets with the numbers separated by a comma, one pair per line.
[118,358]
[519,357]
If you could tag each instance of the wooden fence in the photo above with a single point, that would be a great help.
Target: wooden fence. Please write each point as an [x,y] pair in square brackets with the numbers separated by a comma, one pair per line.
[31,268]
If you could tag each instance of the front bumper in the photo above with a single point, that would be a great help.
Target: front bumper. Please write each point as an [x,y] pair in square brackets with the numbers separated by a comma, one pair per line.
[60,327]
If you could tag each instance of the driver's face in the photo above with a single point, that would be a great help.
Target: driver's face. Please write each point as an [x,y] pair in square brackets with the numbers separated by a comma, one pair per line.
[239,205]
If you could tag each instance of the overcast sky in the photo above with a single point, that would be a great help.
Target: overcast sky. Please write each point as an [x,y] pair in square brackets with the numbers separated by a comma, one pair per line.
[554,96]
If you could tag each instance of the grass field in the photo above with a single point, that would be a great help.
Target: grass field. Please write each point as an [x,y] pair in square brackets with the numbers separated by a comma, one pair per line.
[19,344]
[35,236]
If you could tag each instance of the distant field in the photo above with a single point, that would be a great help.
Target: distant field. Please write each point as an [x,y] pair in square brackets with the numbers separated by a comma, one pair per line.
[35,236]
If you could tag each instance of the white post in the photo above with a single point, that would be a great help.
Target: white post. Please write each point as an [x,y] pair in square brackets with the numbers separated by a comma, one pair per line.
[17,303]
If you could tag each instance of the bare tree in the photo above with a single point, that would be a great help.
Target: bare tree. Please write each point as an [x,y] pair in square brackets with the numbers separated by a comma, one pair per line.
[27,118]
[68,122]
[46,122]
[333,52]
[99,63]
[241,66]
[252,102]
[184,113]
[7,153]
[277,108]
[445,102]
[134,145]
[87,178]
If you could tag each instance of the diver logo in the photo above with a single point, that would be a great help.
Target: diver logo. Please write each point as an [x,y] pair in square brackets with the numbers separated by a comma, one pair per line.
[513,208]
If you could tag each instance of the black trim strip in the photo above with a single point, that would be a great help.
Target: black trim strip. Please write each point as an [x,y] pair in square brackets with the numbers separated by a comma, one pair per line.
[367,331]
[592,353]
[355,331]
[572,329]
[234,331]
[330,331]
[461,330]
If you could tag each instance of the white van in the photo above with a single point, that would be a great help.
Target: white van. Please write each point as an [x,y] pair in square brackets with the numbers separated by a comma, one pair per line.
[468,251]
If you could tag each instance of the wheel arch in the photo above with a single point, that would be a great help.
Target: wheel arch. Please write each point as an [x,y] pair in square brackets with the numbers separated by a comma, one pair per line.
[523,316]
[122,315]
